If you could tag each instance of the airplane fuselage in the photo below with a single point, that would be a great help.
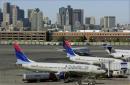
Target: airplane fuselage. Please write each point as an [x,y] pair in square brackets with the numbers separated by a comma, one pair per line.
[120,55]
[60,67]
[122,51]
[94,60]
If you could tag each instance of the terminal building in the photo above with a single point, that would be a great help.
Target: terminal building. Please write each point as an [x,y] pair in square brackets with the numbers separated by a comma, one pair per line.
[72,36]
[93,36]
[24,35]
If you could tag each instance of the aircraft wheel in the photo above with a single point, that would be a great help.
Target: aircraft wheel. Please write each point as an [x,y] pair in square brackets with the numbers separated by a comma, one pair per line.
[79,82]
[92,83]
[83,82]
[66,78]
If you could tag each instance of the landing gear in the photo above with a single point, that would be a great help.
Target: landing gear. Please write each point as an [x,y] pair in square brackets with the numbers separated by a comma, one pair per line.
[67,78]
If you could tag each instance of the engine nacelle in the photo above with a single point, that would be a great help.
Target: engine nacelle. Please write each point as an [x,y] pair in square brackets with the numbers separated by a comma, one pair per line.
[60,75]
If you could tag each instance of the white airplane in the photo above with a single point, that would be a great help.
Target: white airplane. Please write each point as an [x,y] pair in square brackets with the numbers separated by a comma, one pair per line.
[67,69]
[117,50]
[117,53]
[88,59]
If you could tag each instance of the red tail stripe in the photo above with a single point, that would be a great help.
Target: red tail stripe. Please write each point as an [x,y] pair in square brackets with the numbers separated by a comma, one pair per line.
[68,43]
[17,47]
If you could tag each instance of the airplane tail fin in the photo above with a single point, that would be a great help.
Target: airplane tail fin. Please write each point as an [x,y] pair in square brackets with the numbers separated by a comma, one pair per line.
[68,48]
[108,49]
[21,57]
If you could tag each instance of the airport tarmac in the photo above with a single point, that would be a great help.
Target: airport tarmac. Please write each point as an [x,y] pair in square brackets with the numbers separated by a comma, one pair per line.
[11,75]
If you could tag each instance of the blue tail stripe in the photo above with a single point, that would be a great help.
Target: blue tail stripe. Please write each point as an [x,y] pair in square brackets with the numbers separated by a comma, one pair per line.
[69,50]
[21,56]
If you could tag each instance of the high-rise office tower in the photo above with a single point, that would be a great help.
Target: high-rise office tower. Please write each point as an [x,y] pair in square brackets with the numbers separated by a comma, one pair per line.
[78,16]
[1,17]
[102,22]
[36,20]
[21,14]
[108,21]
[40,21]
[11,15]
[6,12]
[17,14]
[15,10]
[26,23]
[58,19]
[90,20]
[29,13]
[69,14]
[62,16]
[87,20]
[67,18]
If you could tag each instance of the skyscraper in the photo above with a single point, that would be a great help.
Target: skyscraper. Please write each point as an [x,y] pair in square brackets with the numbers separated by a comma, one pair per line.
[90,20]
[67,18]
[13,17]
[87,20]
[6,12]
[102,22]
[21,14]
[58,19]
[69,13]
[15,10]
[108,21]
[40,21]
[1,17]
[62,16]
[78,16]
[29,13]
[36,20]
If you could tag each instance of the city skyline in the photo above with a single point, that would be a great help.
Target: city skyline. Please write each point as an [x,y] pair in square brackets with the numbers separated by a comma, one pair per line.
[117,8]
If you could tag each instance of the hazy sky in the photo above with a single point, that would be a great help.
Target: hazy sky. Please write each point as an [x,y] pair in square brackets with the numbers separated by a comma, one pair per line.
[97,8]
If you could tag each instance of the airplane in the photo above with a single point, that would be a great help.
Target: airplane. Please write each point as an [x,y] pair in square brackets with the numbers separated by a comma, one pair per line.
[117,50]
[88,59]
[122,54]
[69,70]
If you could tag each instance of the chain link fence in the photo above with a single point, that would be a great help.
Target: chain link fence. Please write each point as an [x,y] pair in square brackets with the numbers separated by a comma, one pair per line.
[35,42]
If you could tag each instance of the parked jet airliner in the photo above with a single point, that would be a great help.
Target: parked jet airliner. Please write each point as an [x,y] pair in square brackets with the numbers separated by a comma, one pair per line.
[123,54]
[65,68]
[88,59]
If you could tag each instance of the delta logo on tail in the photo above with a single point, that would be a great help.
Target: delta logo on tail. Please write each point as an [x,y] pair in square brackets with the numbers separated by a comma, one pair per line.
[68,48]
[21,57]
